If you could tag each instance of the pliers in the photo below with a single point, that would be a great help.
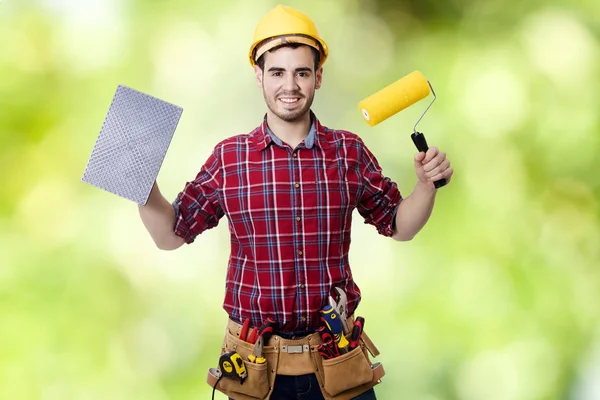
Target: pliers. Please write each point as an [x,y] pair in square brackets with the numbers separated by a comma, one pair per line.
[264,334]
[328,348]
[257,356]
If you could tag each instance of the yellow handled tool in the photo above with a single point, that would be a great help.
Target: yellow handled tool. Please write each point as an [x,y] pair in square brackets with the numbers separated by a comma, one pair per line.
[333,321]
[232,366]
[257,357]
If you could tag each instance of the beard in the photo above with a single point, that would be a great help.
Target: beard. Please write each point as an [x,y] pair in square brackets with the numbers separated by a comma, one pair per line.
[291,113]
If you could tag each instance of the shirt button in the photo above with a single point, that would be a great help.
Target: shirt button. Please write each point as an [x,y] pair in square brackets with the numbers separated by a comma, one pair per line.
[295,154]
[297,185]
[303,319]
[300,252]
[302,285]
[297,218]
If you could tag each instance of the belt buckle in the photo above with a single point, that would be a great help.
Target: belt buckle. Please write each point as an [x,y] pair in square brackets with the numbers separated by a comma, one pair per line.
[296,349]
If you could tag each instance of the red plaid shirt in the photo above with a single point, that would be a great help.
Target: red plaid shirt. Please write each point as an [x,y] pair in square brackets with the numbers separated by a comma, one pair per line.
[289,213]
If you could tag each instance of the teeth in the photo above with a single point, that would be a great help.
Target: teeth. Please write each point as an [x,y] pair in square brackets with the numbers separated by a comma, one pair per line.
[286,100]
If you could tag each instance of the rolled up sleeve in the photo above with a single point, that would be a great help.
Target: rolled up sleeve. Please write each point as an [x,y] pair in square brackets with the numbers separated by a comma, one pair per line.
[380,198]
[197,207]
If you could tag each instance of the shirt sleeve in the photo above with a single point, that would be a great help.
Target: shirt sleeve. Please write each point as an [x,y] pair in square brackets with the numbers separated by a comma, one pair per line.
[197,207]
[380,198]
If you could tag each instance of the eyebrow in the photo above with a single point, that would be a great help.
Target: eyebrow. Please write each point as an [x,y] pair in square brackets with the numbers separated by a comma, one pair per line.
[279,69]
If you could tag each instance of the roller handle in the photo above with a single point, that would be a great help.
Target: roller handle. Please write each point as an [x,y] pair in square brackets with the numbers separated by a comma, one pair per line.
[419,140]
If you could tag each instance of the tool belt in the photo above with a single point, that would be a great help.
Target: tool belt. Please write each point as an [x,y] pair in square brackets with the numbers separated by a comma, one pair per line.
[340,378]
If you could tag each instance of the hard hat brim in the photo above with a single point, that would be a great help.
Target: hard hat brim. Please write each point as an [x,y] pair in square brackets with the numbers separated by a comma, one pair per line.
[261,47]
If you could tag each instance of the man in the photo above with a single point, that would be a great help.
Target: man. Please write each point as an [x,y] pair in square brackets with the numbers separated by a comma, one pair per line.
[288,189]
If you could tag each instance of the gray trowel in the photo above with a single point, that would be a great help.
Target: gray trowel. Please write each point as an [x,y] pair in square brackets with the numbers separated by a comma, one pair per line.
[132,144]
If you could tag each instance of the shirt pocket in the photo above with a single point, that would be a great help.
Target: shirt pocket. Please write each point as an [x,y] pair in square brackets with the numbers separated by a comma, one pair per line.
[340,186]
[330,197]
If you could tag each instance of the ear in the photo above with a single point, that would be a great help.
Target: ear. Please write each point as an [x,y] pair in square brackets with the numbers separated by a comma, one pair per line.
[318,78]
[259,73]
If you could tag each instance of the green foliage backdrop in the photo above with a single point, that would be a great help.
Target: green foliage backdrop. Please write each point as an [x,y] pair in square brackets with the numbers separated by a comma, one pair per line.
[497,299]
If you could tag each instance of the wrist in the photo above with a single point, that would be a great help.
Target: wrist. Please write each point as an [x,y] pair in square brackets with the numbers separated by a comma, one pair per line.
[426,187]
[155,199]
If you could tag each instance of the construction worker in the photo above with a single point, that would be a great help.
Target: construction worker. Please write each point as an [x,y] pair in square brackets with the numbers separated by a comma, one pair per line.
[288,189]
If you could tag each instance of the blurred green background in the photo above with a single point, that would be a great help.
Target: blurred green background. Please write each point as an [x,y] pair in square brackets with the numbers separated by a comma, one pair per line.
[497,299]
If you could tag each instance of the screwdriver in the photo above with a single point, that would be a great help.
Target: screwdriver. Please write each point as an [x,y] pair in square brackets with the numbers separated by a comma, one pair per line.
[334,323]
[359,326]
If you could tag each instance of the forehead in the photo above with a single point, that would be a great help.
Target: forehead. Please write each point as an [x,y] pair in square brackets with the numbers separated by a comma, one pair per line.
[283,57]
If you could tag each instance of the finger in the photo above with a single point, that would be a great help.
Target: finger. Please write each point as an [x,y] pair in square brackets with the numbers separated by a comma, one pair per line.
[439,169]
[447,175]
[431,153]
[437,161]
[419,157]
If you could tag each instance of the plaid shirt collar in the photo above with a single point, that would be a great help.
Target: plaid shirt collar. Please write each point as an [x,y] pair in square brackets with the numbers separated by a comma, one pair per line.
[262,136]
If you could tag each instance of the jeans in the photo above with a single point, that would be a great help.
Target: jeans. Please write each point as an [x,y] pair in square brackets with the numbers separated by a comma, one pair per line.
[304,387]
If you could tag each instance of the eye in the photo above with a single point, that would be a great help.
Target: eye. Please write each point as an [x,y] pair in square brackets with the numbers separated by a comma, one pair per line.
[277,73]
[302,74]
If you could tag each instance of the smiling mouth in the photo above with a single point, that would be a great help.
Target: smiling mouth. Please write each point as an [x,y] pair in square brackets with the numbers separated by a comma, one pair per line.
[289,100]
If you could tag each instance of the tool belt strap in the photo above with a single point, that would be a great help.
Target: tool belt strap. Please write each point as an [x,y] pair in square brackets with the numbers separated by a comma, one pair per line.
[234,328]
[294,355]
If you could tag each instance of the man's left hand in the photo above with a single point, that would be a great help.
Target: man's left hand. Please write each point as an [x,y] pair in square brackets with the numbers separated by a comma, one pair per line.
[432,166]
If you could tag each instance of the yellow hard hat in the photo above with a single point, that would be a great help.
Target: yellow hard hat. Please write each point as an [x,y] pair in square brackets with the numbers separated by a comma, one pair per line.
[285,25]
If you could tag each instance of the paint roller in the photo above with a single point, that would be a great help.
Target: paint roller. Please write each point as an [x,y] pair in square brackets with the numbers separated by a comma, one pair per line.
[396,97]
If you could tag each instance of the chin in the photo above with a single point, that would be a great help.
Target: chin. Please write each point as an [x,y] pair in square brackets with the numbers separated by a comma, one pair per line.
[291,117]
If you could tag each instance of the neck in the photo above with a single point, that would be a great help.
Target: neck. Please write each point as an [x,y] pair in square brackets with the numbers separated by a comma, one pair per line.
[290,132]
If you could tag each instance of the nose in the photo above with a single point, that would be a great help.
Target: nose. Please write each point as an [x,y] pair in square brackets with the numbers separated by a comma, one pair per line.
[290,83]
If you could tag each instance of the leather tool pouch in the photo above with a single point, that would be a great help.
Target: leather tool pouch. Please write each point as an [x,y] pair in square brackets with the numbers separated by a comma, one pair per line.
[346,372]
[349,375]
[259,383]
[340,378]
